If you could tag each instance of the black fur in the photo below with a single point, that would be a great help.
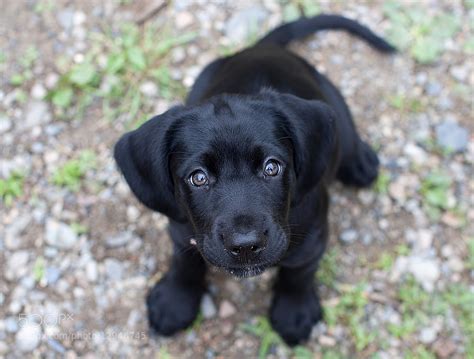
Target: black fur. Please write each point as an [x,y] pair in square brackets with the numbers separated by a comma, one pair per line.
[263,106]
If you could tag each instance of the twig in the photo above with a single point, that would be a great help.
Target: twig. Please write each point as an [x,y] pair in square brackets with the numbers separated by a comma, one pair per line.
[150,11]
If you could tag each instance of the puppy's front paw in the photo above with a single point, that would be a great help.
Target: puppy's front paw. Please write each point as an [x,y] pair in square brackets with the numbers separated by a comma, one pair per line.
[293,315]
[172,306]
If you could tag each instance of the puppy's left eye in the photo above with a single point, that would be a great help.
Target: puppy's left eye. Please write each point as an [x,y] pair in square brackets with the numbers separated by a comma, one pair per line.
[198,178]
[272,168]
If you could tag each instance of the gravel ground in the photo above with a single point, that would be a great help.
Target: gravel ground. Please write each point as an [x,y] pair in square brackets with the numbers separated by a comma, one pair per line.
[77,251]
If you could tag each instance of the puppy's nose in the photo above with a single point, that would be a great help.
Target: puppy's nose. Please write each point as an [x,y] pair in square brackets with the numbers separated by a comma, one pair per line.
[246,244]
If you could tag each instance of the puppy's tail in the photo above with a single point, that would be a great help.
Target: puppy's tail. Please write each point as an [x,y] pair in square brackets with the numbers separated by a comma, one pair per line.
[303,27]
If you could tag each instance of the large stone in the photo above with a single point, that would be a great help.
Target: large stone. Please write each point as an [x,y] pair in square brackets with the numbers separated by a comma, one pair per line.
[28,338]
[120,239]
[426,271]
[66,18]
[17,265]
[113,268]
[451,136]
[37,113]
[14,231]
[60,235]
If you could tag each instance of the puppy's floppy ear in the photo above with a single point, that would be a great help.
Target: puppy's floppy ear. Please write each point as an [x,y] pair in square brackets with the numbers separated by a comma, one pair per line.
[142,156]
[312,129]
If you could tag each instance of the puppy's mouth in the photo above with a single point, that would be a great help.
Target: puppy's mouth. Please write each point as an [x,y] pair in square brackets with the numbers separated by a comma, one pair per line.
[246,272]
[215,254]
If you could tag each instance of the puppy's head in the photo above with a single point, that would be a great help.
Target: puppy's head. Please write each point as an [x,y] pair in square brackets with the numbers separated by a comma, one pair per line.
[232,167]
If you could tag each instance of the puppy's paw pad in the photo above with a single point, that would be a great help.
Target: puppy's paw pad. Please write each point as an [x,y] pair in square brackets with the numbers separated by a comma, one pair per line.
[172,307]
[363,169]
[293,316]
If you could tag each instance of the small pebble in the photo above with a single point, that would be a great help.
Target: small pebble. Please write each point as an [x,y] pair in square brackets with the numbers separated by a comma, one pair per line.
[119,240]
[428,335]
[149,89]
[38,91]
[5,124]
[349,236]
[52,275]
[183,19]
[11,324]
[326,341]
[208,309]
[226,309]
[56,346]
[133,214]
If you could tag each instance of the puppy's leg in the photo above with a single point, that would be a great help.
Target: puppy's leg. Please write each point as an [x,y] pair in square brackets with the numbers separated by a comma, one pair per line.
[295,307]
[173,303]
[361,168]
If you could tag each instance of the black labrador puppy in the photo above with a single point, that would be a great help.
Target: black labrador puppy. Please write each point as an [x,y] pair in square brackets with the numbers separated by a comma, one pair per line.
[242,171]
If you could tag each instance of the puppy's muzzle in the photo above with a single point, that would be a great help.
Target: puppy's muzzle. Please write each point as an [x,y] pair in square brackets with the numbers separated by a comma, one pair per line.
[244,237]
[246,245]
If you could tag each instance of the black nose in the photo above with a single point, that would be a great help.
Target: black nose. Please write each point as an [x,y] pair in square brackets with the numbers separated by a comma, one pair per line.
[246,244]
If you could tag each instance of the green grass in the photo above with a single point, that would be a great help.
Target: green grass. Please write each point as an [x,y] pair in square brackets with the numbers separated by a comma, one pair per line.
[11,188]
[382,182]
[301,352]
[25,62]
[197,322]
[423,35]
[264,331]
[349,311]
[417,307]
[333,354]
[163,353]
[413,303]
[79,228]
[434,191]
[328,268]
[72,172]
[403,329]
[419,352]
[412,295]
[385,261]
[461,299]
[39,269]
[404,104]
[44,6]
[114,68]
[469,46]
[470,254]
[402,249]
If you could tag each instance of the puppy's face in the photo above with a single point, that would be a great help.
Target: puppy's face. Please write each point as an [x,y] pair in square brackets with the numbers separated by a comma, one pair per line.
[233,175]
[231,167]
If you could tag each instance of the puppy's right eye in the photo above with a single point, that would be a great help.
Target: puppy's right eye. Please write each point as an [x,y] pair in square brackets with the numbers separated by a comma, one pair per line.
[272,168]
[198,178]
